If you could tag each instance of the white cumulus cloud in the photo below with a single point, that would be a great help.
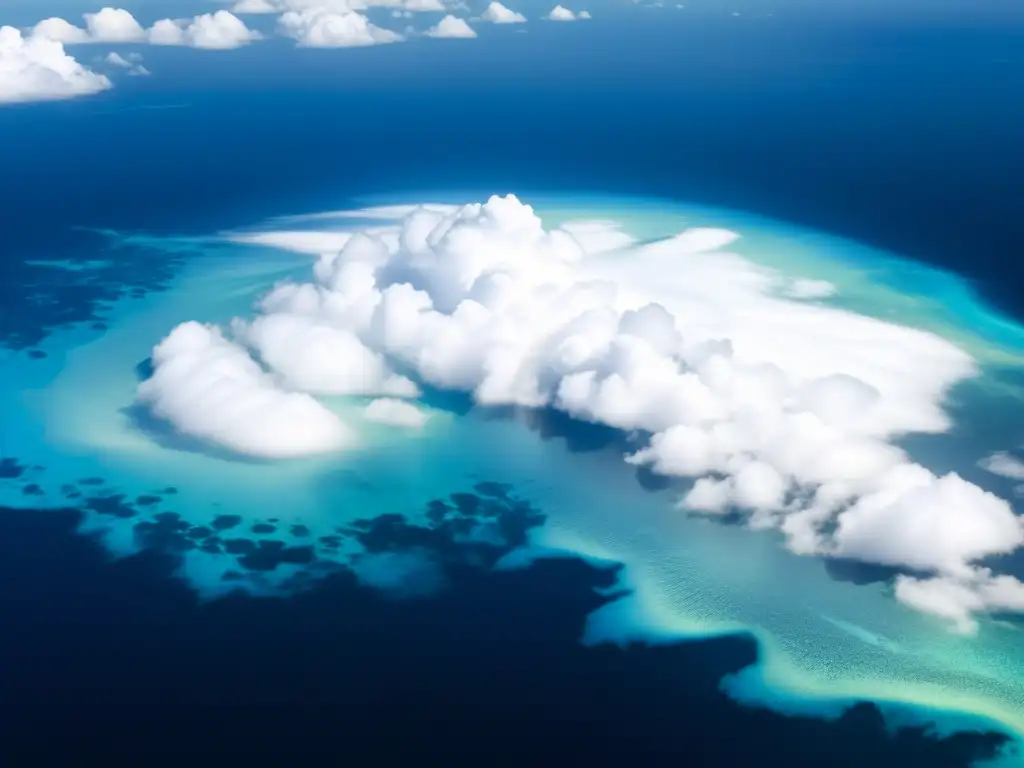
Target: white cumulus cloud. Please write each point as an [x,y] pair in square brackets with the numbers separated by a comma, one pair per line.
[210,389]
[322,28]
[499,14]
[958,600]
[959,521]
[781,410]
[561,13]
[131,62]
[221,30]
[451,26]
[108,25]
[1004,465]
[39,69]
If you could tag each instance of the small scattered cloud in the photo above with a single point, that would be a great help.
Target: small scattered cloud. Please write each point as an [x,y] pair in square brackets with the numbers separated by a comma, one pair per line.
[221,30]
[37,68]
[320,28]
[1003,464]
[496,13]
[451,26]
[561,13]
[959,600]
[131,62]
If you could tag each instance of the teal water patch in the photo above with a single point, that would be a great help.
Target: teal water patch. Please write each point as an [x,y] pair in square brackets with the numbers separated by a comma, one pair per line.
[824,642]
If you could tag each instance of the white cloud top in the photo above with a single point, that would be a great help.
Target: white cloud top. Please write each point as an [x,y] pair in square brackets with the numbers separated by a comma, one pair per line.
[1004,465]
[213,31]
[451,26]
[39,69]
[561,13]
[311,23]
[132,62]
[211,389]
[321,28]
[497,13]
[109,25]
[958,600]
[320,358]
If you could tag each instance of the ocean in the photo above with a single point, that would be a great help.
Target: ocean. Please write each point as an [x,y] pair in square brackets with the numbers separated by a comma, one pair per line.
[896,133]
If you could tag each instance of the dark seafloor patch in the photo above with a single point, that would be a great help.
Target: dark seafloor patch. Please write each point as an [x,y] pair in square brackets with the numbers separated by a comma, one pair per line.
[11,469]
[113,505]
[226,522]
[119,661]
[42,296]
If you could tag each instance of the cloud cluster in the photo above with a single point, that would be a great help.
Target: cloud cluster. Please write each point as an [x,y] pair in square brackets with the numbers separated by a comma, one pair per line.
[496,13]
[783,410]
[220,30]
[561,13]
[108,25]
[311,23]
[36,68]
[215,31]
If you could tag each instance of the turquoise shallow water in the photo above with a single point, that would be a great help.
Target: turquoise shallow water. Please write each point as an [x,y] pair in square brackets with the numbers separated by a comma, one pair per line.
[825,642]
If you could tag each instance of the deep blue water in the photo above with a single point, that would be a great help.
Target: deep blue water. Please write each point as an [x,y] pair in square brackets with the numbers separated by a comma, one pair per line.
[899,130]
[117,660]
